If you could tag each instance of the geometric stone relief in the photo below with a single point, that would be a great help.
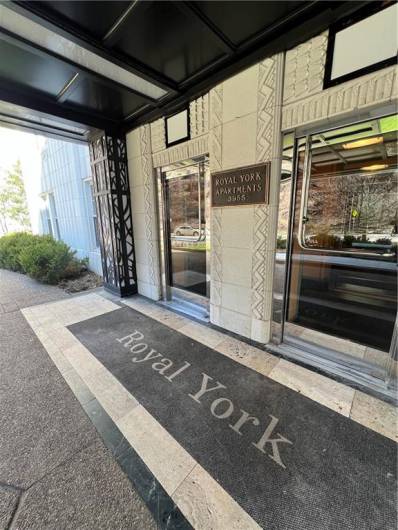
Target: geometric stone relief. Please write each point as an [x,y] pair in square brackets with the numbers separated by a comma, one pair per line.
[360,93]
[196,147]
[265,109]
[304,68]
[269,100]
[216,100]
[158,136]
[199,116]
[216,106]
[149,202]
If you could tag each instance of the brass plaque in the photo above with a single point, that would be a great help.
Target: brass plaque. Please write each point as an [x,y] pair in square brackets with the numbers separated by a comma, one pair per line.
[244,185]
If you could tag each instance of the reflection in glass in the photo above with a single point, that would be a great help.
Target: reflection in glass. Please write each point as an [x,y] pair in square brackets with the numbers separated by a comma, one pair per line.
[186,216]
[343,272]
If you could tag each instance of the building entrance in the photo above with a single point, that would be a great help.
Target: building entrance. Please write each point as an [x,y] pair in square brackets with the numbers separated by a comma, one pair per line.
[184,198]
[341,301]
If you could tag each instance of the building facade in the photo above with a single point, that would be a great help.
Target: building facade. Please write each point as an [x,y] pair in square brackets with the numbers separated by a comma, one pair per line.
[66,208]
[311,270]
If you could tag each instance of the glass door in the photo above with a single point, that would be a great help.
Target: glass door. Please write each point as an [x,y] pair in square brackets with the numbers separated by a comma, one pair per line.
[342,285]
[186,231]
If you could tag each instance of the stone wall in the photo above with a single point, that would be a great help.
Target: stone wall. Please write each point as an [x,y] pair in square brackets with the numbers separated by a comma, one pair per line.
[239,123]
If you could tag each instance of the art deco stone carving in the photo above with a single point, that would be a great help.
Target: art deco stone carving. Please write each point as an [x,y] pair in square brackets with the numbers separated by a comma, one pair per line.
[149,204]
[304,68]
[197,147]
[199,116]
[215,164]
[360,93]
[158,135]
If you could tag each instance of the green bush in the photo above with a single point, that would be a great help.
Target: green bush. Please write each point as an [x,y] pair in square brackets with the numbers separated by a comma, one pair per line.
[11,246]
[41,257]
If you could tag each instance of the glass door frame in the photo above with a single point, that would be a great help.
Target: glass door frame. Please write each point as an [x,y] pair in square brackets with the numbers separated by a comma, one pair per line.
[283,341]
[168,291]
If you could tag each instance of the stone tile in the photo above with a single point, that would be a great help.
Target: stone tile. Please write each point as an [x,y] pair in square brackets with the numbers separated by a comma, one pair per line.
[170,319]
[240,94]
[117,401]
[58,358]
[166,459]
[317,387]
[63,338]
[258,360]
[237,266]
[133,143]
[237,227]
[375,414]
[202,334]
[235,322]
[334,343]
[239,142]
[236,298]
[78,386]
[93,373]
[208,506]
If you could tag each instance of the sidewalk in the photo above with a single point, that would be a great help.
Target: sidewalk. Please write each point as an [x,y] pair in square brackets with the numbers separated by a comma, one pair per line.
[55,472]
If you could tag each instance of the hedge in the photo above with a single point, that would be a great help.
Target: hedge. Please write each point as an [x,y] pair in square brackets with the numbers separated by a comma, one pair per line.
[41,257]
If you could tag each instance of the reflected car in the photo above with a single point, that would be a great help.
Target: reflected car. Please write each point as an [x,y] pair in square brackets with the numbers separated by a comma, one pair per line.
[186,230]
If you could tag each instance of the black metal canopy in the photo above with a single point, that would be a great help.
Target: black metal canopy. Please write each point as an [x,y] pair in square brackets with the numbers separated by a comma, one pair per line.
[142,58]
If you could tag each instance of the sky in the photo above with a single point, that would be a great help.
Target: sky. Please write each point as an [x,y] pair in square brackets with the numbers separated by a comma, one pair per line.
[27,148]
[15,145]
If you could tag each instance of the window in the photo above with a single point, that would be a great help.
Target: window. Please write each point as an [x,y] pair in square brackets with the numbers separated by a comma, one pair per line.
[363,44]
[53,217]
[351,189]
[92,212]
[177,128]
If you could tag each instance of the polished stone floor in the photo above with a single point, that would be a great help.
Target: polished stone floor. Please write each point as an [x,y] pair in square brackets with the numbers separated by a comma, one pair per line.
[55,471]
[187,493]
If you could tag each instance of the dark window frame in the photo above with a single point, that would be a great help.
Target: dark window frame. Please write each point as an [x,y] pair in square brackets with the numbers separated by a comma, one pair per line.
[367,11]
[185,138]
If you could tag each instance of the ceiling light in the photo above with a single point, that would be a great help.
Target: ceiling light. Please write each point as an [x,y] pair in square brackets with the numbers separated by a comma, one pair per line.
[374,167]
[364,142]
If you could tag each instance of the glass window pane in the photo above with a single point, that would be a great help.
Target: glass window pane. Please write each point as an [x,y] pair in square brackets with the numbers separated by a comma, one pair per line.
[351,200]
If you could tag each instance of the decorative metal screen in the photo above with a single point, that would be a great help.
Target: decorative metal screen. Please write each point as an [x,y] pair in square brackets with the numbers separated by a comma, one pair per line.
[111,189]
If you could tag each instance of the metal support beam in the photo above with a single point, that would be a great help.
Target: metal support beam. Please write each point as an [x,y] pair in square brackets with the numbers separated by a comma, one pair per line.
[111,35]
[108,155]
[190,9]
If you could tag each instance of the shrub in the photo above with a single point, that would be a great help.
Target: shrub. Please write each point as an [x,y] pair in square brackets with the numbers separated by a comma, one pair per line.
[11,246]
[46,260]
[41,257]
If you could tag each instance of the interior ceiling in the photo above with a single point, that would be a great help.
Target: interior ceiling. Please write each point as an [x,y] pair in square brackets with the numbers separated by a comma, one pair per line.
[116,64]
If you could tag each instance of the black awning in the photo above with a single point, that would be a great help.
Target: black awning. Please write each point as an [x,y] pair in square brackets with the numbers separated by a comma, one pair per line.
[116,64]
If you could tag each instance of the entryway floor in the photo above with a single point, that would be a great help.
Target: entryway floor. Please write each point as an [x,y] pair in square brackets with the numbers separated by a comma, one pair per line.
[215,433]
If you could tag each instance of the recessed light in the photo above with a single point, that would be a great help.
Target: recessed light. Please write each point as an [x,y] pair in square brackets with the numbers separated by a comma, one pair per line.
[374,167]
[364,142]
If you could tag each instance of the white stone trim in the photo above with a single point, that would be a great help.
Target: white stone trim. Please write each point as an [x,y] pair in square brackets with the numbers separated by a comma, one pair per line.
[198,146]
[373,89]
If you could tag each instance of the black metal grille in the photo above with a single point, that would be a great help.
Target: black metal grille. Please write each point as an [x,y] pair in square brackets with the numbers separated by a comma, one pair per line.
[111,190]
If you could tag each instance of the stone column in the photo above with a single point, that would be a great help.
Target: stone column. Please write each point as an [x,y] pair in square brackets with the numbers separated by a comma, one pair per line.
[108,159]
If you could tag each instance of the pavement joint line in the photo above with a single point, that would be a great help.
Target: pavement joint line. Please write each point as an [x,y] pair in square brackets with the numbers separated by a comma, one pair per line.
[14,517]
[11,487]
[62,463]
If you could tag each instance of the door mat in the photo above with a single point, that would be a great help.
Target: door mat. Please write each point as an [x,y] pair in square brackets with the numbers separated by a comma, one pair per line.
[290,462]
